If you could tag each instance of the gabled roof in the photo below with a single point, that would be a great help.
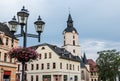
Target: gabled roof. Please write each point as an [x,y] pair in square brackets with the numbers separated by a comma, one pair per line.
[4,28]
[92,64]
[63,53]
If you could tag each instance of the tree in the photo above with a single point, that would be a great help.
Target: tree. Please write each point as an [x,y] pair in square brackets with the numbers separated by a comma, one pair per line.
[107,64]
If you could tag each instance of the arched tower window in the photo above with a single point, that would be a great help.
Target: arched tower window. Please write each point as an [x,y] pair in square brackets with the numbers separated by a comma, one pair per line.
[73,37]
[64,42]
[73,42]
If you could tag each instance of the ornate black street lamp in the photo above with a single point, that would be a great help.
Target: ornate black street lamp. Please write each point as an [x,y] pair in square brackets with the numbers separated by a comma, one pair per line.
[22,21]
[2,72]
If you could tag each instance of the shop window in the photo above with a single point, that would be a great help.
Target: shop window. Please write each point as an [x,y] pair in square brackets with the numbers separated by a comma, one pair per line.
[37,78]
[76,78]
[31,77]
[65,78]
[46,78]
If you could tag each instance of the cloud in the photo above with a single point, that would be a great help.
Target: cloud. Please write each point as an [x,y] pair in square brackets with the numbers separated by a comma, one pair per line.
[92,46]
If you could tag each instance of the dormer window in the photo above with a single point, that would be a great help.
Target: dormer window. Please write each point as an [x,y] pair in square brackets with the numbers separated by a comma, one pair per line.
[43,48]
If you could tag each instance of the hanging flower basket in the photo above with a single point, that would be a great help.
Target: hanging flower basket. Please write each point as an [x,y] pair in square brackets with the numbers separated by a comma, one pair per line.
[23,54]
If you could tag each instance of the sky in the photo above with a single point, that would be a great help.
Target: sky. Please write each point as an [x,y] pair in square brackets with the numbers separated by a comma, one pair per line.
[97,22]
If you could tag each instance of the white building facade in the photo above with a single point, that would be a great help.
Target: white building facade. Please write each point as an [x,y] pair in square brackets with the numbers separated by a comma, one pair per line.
[55,63]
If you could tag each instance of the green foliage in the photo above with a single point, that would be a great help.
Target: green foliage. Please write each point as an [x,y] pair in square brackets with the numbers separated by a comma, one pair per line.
[107,64]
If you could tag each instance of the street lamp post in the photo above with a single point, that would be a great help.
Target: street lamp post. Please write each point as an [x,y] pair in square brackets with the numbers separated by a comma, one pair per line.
[22,21]
[2,72]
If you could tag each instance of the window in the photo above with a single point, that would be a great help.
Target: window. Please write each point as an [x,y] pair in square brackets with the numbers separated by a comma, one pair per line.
[40,56]
[73,42]
[0,55]
[12,43]
[32,66]
[37,66]
[91,79]
[45,55]
[70,67]
[54,65]
[76,78]
[25,67]
[5,57]
[64,42]
[37,78]
[50,55]
[18,67]
[82,75]
[73,67]
[73,36]
[60,65]
[67,66]
[10,60]
[74,51]
[43,48]
[31,77]
[7,40]
[42,66]
[91,73]
[78,68]
[25,76]
[48,65]
[64,37]
[65,77]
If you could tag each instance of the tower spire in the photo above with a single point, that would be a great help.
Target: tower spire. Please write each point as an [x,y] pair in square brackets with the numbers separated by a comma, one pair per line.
[69,21]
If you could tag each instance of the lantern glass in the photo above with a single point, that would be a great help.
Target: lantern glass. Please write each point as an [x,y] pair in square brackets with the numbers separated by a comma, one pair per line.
[23,16]
[13,25]
[39,25]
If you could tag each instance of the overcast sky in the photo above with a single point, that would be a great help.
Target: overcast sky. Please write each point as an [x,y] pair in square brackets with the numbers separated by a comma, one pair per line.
[97,21]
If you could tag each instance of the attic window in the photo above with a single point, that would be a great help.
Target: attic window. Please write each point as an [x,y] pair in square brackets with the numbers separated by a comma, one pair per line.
[55,47]
[43,48]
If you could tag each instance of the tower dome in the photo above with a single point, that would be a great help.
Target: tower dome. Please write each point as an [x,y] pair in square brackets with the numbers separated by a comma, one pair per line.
[70,27]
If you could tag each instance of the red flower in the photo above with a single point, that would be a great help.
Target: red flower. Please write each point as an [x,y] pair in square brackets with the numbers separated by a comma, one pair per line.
[23,54]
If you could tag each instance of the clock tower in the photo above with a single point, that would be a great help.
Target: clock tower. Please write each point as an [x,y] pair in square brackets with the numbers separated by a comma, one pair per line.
[70,38]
